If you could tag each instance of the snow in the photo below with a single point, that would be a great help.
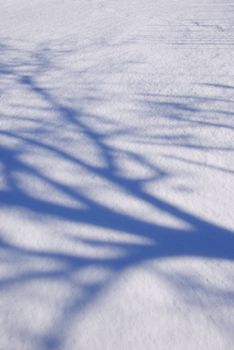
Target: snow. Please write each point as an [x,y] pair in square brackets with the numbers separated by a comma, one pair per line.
[116,174]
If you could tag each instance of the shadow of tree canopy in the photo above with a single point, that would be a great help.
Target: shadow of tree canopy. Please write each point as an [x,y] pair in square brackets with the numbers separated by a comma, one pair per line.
[50,128]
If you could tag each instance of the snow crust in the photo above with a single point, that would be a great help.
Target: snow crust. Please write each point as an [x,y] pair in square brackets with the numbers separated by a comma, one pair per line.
[116,175]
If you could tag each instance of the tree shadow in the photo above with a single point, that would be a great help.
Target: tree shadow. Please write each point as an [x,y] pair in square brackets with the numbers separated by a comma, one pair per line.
[53,129]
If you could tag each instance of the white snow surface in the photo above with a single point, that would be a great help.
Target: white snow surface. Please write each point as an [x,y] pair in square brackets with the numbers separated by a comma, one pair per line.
[116,175]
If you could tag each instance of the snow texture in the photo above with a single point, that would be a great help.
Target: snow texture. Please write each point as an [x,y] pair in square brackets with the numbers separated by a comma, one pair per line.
[116,175]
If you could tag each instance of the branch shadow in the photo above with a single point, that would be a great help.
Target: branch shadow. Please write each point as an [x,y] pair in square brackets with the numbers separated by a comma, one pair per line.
[40,135]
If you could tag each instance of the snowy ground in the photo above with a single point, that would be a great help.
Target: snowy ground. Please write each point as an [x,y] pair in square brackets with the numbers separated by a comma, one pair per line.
[116,174]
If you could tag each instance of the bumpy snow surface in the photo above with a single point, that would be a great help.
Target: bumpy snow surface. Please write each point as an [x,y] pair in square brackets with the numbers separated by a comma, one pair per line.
[116,175]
